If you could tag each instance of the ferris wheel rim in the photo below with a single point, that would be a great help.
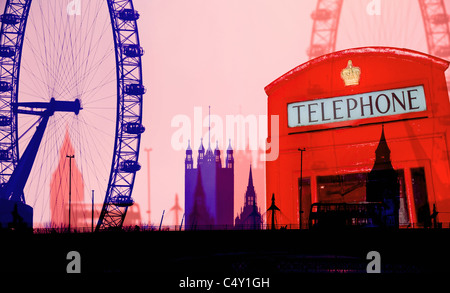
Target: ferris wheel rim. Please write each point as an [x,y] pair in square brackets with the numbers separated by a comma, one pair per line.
[327,15]
[129,87]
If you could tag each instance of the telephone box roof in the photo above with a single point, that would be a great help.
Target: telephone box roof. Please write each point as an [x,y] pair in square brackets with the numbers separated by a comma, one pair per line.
[363,52]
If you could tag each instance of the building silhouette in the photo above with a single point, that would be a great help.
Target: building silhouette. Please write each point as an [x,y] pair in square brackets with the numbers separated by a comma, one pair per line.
[81,206]
[209,188]
[383,184]
[59,188]
[250,217]
[81,215]
[242,157]
[199,216]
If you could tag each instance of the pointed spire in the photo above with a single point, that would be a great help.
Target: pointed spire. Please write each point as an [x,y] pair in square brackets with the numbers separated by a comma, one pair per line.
[217,150]
[188,160]
[250,177]
[66,147]
[209,151]
[229,145]
[209,127]
[229,159]
[382,153]
[189,145]
[201,148]
[250,195]
[250,217]
[217,155]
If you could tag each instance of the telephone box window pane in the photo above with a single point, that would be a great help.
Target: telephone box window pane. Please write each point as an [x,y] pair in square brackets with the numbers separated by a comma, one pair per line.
[306,199]
[419,186]
[351,188]
[403,212]
[342,188]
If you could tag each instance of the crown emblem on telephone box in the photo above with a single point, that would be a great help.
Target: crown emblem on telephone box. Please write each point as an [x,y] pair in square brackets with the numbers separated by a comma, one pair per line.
[350,74]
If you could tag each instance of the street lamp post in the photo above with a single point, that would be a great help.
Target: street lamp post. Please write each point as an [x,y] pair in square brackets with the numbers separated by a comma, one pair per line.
[92,215]
[70,184]
[300,187]
[148,150]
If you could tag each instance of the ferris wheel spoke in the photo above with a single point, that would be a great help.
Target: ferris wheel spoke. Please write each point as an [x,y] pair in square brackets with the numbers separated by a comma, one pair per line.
[109,77]
[90,47]
[66,73]
[95,148]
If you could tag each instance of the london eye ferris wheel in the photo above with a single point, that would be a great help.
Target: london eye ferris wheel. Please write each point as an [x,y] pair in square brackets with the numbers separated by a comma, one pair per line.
[76,71]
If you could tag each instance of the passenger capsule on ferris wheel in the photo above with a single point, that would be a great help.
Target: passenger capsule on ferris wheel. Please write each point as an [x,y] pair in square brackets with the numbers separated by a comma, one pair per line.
[442,51]
[133,50]
[9,18]
[5,155]
[128,14]
[321,14]
[129,166]
[5,120]
[439,18]
[5,86]
[317,50]
[122,201]
[134,128]
[7,51]
[134,89]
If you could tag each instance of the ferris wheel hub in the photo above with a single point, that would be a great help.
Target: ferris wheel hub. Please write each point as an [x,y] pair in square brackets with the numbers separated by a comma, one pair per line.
[47,108]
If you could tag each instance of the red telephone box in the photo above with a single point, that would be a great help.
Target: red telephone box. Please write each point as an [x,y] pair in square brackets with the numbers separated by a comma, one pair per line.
[342,108]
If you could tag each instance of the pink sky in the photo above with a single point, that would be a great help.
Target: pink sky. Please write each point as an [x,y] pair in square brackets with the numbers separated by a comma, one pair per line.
[218,53]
